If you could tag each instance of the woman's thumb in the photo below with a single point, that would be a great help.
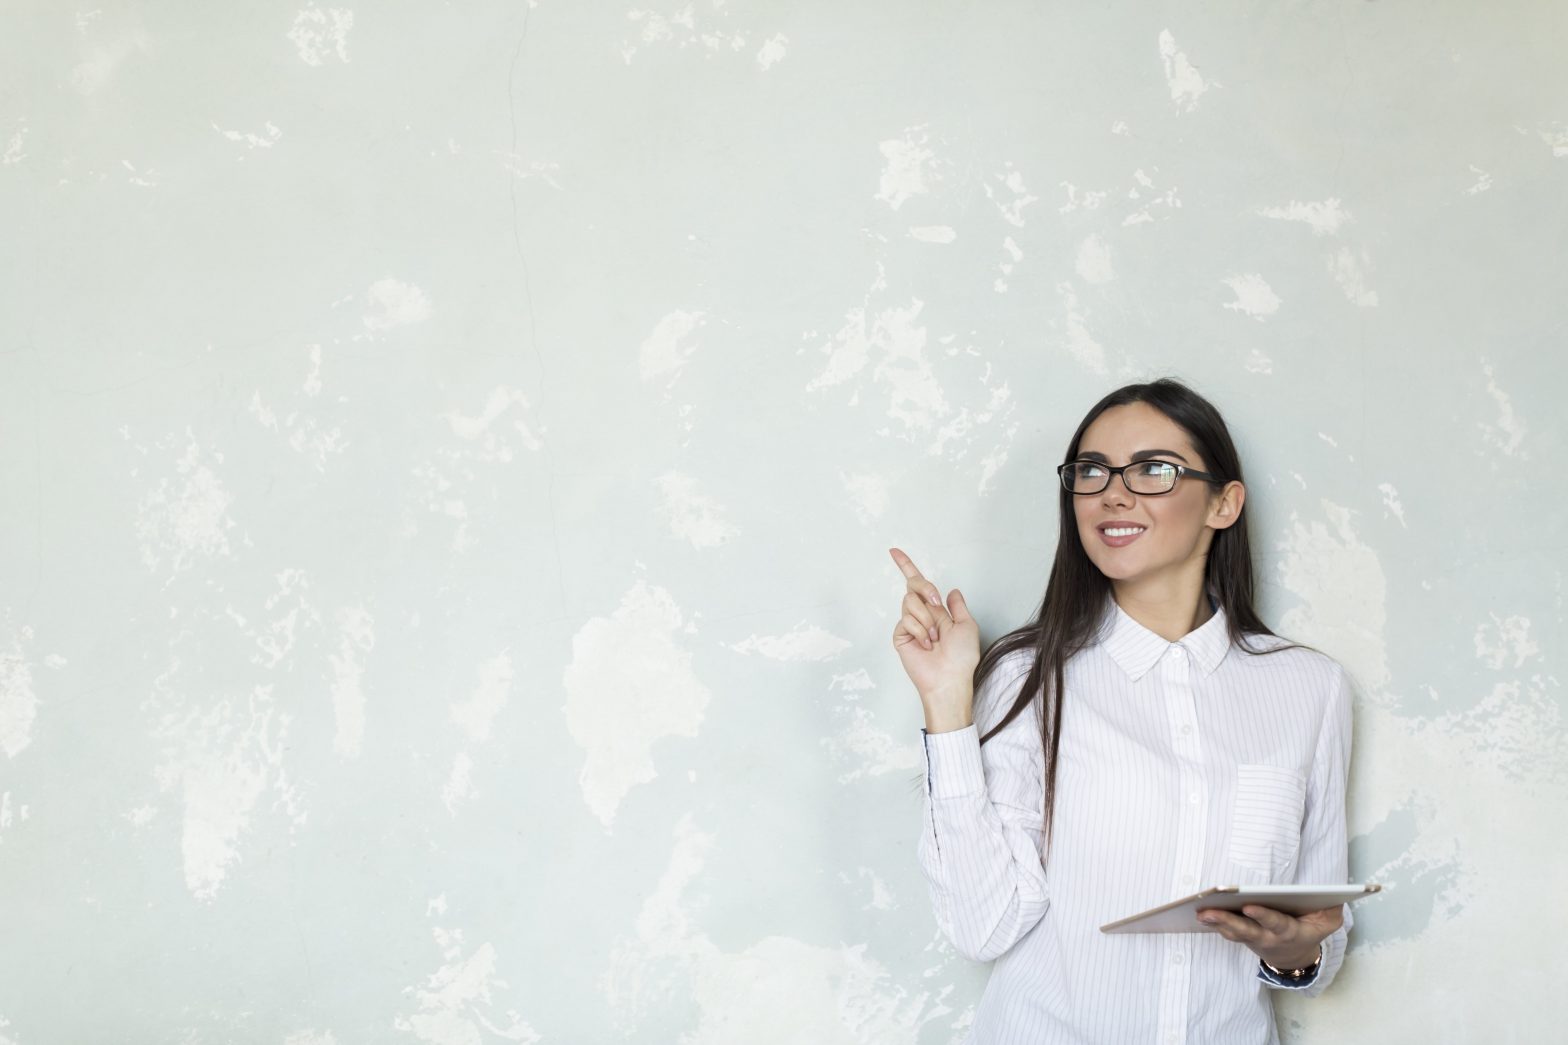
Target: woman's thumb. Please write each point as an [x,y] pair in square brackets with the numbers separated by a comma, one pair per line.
[957,606]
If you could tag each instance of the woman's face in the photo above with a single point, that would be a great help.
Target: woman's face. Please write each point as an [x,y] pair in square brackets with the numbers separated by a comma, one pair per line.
[1177,527]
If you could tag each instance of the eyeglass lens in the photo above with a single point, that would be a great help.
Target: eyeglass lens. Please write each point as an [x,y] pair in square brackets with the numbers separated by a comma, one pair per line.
[1142,477]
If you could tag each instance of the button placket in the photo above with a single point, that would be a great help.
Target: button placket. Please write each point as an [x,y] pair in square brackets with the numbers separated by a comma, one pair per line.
[1191,820]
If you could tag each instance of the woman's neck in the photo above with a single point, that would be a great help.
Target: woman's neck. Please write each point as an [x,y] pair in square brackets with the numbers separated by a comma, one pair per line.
[1170,614]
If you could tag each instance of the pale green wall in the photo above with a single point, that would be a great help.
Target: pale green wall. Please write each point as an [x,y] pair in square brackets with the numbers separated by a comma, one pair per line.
[450,452]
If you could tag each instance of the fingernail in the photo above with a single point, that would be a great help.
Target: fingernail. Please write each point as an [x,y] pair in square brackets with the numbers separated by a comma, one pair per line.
[934,635]
[935,601]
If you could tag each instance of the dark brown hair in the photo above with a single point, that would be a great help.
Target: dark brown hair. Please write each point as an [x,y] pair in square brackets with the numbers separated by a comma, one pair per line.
[1076,592]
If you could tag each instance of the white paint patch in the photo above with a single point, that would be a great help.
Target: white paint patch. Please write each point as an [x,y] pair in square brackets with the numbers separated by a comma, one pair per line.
[868,495]
[1349,271]
[187,518]
[477,714]
[670,345]
[771,52]
[1391,502]
[691,516]
[1120,127]
[15,148]
[525,169]
[1508,432]
[932,233]
[250,140]
[1087,200]
[1483,181]
[459,786]
[908,165]
[318,34]
[393,303]
[147,179]
[1013,196]
[1080,342]
[1324,217]
[865,750]
[628,686]
[1094,260]
[310,1037]
[10,814]
[141,816]
[454,1003]
[482,429]
[312,386]
[1516,731]
[1186,85]
[1340,583]
[1015,252]
[305,435]
[1254,297]
[682,30]
[18,702]
[881,896]
[1258,363]
[778,989]
[803,643]
[1503,638]
[852,684]
[1555,135]
[221,754]
[960,428]
[914,393]
[1145,212]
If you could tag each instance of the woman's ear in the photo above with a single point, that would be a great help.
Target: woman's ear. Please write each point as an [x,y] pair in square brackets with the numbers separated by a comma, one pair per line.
[1226,506]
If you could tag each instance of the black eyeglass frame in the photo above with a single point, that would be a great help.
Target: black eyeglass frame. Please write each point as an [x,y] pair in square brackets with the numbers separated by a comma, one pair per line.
[1112,473]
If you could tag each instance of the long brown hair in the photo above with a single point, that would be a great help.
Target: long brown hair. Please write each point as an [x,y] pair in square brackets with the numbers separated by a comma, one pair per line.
[1076,592]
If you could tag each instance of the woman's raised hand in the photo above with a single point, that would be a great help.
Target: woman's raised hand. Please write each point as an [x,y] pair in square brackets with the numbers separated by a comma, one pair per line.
[939,645]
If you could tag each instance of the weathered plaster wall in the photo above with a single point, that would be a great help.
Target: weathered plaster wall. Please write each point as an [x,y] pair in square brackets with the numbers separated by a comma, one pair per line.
[450,452]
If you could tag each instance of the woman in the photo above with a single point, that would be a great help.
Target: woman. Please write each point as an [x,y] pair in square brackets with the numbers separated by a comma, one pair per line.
[1178,744]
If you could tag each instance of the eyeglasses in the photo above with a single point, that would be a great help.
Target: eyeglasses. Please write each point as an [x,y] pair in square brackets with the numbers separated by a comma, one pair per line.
[1141,477]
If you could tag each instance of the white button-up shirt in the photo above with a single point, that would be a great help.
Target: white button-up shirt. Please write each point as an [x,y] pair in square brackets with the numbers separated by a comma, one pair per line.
[1183,765]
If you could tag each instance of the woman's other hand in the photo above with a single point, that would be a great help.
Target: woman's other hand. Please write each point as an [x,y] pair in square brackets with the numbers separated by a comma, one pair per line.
[939,645]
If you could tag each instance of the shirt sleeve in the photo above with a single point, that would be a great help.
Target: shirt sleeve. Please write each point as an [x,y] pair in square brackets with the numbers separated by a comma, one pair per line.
[1324,847]
[980,846]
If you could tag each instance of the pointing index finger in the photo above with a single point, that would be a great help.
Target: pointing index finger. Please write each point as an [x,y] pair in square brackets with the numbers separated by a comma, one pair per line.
[905,564]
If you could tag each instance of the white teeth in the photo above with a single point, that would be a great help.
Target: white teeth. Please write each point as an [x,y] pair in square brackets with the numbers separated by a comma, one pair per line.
[1122,531]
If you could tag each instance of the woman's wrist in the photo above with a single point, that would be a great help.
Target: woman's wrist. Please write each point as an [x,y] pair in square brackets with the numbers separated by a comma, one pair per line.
[1293,968]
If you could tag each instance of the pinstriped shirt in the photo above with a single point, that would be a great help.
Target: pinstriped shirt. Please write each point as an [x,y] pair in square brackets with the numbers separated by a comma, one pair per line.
[1183,765]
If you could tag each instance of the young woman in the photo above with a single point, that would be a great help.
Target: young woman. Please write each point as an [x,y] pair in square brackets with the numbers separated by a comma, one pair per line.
[1143,737]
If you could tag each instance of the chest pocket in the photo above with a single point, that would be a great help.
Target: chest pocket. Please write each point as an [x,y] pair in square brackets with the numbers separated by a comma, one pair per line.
[1265,825]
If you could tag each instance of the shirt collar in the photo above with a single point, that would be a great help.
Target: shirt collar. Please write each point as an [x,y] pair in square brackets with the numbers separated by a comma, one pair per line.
[1136,649]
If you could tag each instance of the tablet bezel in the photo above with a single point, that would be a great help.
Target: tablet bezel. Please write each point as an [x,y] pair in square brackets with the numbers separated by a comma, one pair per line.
[1290,899]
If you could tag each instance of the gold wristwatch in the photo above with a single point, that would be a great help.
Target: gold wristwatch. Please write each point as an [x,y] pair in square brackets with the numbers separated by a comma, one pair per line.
[1296,974]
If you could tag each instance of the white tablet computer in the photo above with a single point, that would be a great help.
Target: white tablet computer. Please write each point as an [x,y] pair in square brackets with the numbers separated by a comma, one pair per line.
[1181,916]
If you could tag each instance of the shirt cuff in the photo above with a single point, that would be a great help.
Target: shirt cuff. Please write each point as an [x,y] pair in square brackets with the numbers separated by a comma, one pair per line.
[1274,980]
[953,767]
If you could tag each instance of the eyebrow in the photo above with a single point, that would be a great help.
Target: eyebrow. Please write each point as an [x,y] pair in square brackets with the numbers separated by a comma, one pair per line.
[1141,455]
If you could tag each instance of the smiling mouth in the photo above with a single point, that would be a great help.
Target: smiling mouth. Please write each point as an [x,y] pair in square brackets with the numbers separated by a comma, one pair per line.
[1119,536]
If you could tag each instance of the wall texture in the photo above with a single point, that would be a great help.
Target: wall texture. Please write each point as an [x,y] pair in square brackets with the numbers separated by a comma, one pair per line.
[450,452]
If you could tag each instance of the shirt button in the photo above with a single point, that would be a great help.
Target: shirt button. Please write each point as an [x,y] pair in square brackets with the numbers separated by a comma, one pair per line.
[1185,730]
[1176,959]
[1194,798]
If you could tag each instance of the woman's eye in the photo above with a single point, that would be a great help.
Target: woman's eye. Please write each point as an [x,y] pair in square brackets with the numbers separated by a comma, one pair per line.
[1155,469]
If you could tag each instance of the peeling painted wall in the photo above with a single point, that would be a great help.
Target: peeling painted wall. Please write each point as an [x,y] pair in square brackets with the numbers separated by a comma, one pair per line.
[450,452]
